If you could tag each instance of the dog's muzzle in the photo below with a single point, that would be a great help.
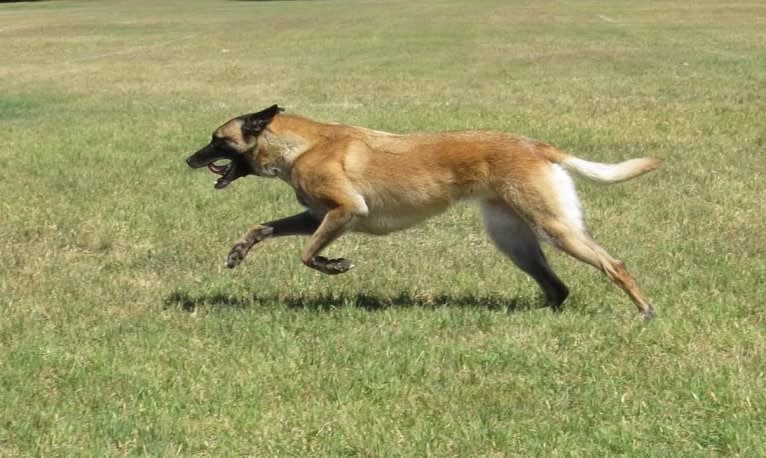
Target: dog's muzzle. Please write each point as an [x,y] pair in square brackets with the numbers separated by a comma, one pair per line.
[236,167]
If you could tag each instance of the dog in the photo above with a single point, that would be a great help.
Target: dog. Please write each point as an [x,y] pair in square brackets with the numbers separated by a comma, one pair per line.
[356,179]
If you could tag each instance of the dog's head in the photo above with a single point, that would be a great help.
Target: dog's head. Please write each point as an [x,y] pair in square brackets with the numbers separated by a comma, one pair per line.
[236,143]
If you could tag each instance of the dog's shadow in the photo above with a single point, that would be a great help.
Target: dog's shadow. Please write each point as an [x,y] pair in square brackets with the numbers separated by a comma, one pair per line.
[324,301]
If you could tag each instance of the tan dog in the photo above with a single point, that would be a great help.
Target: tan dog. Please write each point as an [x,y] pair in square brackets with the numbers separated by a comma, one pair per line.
[356,179]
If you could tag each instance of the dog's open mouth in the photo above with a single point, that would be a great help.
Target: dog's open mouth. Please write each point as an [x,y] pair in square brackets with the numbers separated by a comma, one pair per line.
[229,170]
[228,165]
[219,169]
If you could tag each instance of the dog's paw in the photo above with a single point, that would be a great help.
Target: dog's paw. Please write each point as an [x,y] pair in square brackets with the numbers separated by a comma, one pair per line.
[648,314]
[332,266]
[243,246]
[237,254]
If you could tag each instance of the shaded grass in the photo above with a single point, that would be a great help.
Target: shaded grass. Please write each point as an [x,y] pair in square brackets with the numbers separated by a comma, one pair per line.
[328,301]
[123,334]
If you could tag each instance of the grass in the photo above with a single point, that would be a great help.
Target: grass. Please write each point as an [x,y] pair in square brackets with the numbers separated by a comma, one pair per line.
[122,334]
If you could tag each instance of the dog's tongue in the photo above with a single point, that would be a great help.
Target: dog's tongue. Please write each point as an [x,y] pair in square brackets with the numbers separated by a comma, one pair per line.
[217,169]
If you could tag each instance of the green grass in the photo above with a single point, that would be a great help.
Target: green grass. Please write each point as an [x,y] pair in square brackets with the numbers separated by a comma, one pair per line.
[122,333]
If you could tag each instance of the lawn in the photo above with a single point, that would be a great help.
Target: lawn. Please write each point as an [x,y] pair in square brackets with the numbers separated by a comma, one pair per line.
[123,334]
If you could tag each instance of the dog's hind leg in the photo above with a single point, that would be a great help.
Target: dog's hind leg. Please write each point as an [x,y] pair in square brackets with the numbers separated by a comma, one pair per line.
[580,245]
[301,224]
[513,236]
[559,217]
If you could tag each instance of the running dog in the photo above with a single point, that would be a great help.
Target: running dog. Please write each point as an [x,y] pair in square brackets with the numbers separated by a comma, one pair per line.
[356,179]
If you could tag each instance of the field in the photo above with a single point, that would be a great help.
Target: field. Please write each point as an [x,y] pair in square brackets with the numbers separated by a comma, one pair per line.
[123,334]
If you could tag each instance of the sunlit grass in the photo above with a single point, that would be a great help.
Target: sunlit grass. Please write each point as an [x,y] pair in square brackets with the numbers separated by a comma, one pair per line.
[122,333]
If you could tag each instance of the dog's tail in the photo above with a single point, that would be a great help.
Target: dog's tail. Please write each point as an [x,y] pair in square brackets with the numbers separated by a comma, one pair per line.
[600,172]
[611,173]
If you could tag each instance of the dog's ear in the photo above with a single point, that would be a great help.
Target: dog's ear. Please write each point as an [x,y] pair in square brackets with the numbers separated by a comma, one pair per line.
[254,123]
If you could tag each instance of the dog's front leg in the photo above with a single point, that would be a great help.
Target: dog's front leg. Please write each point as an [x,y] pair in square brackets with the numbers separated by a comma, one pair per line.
[335,223]
[300,224]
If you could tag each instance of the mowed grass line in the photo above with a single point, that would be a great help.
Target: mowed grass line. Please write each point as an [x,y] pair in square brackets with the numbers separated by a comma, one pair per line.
[122,334]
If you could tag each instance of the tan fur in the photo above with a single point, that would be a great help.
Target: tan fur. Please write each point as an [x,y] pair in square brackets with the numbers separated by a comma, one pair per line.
[357,179]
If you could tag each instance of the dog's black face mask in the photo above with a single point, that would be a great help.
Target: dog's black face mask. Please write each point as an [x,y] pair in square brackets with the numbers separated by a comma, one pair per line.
[229,144]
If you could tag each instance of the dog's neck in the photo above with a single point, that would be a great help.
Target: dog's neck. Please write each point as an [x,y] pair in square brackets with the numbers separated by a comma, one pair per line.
[284,148]
[282,145]
[286,139]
